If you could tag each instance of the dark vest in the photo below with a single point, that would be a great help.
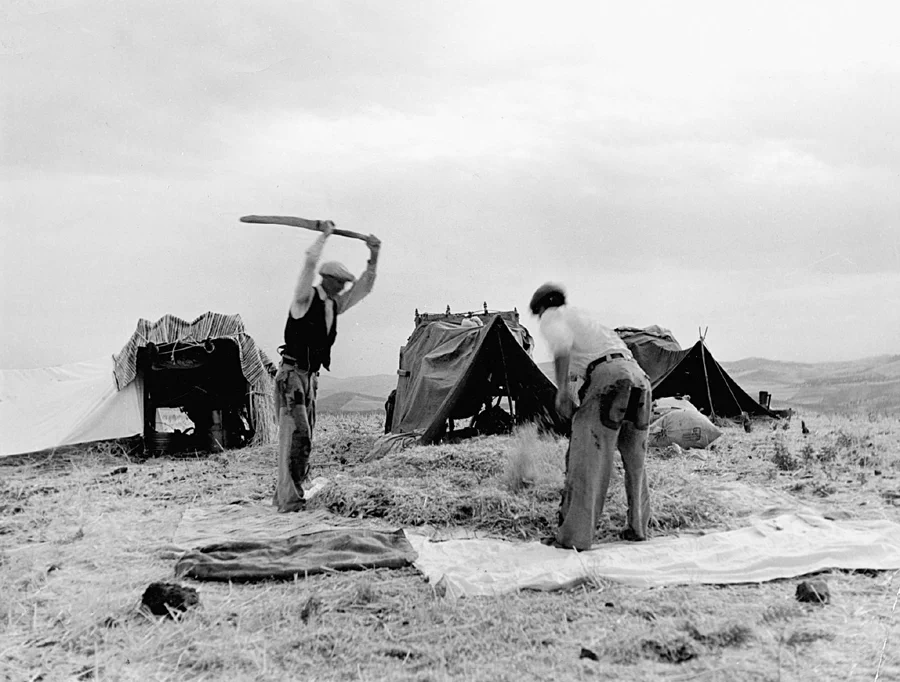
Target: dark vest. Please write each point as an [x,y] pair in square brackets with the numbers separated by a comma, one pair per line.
[306,340]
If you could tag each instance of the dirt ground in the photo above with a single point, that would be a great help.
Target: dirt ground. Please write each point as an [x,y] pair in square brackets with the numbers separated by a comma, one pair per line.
[83,534]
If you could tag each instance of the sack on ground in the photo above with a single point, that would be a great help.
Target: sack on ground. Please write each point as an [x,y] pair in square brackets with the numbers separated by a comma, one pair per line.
[662,406]
[687,428]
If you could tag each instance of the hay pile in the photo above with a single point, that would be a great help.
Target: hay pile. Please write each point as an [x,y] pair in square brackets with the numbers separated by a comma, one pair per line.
[447,485]
[504,486]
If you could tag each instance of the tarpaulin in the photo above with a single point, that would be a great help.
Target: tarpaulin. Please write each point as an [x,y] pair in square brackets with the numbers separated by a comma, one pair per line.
[784,546]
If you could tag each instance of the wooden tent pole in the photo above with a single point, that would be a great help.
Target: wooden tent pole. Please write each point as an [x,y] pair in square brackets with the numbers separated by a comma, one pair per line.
[512,410]
[712,410]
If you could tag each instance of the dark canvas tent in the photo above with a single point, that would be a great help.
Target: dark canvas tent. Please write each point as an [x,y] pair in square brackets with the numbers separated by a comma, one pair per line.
[209,368]
[453,367]
[694,372]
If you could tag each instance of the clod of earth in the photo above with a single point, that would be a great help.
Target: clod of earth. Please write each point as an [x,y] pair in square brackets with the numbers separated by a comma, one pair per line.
[164,599]
[813,592]
[587,653]
[310,608]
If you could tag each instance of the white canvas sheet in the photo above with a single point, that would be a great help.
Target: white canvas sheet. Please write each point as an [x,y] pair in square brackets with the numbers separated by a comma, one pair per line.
[785,546]
[64,405]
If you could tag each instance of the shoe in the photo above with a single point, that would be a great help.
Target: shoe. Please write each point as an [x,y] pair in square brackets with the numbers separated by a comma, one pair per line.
[631,536]
[551,541]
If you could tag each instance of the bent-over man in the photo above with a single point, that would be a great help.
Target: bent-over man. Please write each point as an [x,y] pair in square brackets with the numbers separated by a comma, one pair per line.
[614,412]
[309,334]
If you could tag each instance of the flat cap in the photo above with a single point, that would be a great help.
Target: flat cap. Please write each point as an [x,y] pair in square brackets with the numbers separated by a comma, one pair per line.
[548,295]
[337,270]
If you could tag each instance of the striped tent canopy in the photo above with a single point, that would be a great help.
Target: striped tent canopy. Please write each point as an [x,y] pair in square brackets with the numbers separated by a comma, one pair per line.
[256,366]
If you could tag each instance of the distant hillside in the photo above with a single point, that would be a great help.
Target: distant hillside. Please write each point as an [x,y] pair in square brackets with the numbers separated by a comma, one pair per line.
[348,401]
[867,385]
[376,385]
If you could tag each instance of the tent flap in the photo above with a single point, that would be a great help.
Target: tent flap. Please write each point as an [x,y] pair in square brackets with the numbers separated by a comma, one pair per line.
[54,406]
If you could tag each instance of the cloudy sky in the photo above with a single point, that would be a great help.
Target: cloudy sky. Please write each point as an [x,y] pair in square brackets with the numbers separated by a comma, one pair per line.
[730,166]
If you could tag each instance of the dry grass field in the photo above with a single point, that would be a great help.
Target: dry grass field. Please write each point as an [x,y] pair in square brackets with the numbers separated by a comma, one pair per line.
[82,535]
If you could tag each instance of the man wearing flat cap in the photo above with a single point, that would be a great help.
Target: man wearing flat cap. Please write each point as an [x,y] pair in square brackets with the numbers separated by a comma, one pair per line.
[309,334]
[613,413]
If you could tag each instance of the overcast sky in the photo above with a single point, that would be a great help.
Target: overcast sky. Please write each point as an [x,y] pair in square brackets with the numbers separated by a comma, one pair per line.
[730,166]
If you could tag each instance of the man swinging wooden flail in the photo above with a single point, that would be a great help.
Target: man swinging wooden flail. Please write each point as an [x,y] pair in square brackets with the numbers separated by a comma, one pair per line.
[309,334]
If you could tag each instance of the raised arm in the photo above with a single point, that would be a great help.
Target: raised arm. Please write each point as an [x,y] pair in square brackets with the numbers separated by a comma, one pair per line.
[304,289]
[365,282]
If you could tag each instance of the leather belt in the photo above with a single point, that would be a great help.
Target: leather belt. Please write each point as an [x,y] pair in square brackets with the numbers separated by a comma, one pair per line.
[290,360]
[614,355]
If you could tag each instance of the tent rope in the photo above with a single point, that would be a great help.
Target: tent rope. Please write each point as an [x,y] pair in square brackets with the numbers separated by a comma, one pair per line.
[728,386]
[712,409]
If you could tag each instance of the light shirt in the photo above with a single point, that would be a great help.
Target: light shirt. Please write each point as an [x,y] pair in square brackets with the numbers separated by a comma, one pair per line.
[341,303]
[578,334]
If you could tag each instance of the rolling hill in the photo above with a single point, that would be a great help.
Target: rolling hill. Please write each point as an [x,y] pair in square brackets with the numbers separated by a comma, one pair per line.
[375,386]
[348,401]
[867,385]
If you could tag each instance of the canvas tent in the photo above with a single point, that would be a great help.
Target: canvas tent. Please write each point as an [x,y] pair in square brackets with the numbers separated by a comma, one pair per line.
[694,372]
[169,363]
[50,407]
[456,367]
[210,369]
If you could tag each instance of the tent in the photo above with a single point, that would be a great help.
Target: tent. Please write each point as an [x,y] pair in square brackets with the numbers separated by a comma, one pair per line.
[210,367]
[694,372]
[49,407]
[457,367]
[211,370]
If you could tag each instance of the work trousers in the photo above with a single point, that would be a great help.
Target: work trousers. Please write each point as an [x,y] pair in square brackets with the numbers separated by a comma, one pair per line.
[295,405]
[614,414]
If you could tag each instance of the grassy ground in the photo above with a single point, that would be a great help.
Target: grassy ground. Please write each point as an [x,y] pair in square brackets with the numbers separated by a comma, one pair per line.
[82,535]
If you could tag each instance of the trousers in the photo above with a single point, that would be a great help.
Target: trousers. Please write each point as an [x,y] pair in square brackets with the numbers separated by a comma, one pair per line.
[614,414]
[295,406]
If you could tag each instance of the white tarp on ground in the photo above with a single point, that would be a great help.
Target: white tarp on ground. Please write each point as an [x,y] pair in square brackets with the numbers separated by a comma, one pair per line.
[785,546]
[54,406]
